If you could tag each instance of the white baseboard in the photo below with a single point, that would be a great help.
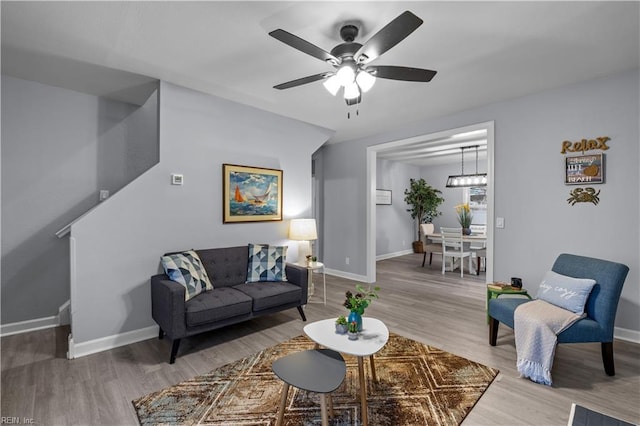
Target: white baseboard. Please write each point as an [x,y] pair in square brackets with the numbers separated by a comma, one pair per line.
[29,325]
[347,275]
[64,313]
[632,336]
[395,254]
[77,350]
[63,318]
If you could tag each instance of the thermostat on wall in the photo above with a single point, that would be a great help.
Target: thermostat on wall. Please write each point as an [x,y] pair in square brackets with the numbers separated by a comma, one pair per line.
[176,179]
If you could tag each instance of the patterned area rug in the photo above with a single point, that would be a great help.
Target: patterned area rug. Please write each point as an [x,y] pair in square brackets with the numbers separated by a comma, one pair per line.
[417,385]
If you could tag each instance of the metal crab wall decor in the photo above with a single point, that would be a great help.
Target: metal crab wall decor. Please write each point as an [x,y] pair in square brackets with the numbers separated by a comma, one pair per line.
[584,195]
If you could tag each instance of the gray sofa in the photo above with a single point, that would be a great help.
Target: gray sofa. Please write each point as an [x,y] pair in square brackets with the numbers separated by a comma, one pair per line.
[231,300]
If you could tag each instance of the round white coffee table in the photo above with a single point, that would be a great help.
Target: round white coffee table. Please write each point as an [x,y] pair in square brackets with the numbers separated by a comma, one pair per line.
[372,338]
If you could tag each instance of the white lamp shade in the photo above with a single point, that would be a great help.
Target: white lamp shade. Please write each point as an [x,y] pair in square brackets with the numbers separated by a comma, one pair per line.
[365,80]
[332,84]
[351,91]
[303,230]
[346,75]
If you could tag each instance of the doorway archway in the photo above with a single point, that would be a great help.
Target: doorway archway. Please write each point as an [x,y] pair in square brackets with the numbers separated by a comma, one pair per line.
[426,140]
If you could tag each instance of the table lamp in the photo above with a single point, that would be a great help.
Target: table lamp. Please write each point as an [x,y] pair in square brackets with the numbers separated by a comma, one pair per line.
[303,230]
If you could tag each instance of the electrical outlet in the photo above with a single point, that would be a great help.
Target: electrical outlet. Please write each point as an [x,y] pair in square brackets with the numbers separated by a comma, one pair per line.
[347,260]
[104,194]
[404,243]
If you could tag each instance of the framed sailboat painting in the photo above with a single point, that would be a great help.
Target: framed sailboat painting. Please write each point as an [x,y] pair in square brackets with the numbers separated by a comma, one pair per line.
[251,194]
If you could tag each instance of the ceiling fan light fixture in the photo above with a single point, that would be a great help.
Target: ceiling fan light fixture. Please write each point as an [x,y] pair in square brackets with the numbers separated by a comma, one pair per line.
[365,80]
[351,91]
[346,75]
[332,84]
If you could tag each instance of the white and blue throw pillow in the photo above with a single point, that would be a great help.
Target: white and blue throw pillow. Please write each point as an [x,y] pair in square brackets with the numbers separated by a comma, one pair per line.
[266,263]
[566,292]
[186,268]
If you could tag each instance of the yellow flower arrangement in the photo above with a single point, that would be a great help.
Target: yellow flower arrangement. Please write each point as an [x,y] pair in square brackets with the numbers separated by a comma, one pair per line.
[464,215]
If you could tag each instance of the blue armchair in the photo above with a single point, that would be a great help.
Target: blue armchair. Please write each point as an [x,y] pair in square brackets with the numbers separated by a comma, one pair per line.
[601,305]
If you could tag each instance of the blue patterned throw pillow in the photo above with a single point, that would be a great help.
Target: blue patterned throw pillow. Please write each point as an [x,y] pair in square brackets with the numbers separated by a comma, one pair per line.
[566,292]
[186,268]
[266,263]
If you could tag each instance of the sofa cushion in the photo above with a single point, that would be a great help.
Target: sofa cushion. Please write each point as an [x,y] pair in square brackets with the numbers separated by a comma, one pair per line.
[186,269]
[266,263]
[225,266]
[272,294]
[566,292]
[216,305]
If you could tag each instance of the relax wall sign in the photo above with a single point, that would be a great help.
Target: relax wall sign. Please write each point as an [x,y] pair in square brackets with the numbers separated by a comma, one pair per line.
[583,169]
[585,145]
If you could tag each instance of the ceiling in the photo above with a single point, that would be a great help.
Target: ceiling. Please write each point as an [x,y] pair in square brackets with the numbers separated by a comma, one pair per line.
[484,52]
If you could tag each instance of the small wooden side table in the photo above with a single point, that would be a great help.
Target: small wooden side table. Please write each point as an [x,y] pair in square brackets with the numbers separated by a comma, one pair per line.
[493,293]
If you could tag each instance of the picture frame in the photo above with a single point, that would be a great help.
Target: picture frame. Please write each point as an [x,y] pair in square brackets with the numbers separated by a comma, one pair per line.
[383,197]
[251,194]
[584,169]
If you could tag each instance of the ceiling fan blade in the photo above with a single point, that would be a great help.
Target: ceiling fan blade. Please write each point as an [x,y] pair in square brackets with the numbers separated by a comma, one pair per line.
[303,80]
[393,33]
[402,73]
[303,45]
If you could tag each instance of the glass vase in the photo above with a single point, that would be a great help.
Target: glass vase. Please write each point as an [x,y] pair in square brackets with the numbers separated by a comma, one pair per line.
[354,316]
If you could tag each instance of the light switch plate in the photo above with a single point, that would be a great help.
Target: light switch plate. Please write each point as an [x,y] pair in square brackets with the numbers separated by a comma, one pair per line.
[500,222]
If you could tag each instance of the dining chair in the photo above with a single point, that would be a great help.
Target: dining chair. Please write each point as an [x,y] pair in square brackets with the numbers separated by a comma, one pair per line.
[479,249]
[454,247]
[429,246]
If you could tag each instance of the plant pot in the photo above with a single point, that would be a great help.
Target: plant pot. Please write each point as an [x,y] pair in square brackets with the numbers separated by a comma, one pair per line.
[466,231]
[352,336]
[341,328]
[418,247]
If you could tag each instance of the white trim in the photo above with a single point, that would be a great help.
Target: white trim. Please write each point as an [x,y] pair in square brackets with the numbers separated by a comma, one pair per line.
[347,275]
[371,155]
[626,334]
[64,313]
[29,325]
[77,350]
[392,255]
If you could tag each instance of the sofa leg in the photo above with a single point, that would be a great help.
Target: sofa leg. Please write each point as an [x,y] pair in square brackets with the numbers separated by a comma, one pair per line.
[607,358]
[161,334]
[493,330]
[304,318]
[174,351]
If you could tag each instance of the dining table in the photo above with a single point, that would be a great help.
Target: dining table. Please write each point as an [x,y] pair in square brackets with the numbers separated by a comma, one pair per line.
[468,240]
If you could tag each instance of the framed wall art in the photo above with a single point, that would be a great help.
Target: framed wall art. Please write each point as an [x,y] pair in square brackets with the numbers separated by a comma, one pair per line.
[383,197]
[251,194]
[584,169]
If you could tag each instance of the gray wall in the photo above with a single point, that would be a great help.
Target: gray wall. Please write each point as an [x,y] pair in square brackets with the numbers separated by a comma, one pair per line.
[529,186]
[119,244]
[53,164]
[395,230]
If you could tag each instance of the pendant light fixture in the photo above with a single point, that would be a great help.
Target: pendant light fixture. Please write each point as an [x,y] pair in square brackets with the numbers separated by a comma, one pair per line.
[462,180]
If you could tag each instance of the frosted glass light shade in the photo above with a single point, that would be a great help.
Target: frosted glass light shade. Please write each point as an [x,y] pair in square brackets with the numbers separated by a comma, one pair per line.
[346,75]
[332,84]
[351,91]
[365,80]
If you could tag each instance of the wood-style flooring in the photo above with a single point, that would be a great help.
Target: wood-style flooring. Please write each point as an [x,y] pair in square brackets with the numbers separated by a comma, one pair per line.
[39,383]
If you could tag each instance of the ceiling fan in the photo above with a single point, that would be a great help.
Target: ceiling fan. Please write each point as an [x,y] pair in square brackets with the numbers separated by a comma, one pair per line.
[351,59]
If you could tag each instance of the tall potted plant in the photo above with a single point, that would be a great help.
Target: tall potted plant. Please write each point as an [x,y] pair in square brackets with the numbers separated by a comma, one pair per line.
[424,201]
